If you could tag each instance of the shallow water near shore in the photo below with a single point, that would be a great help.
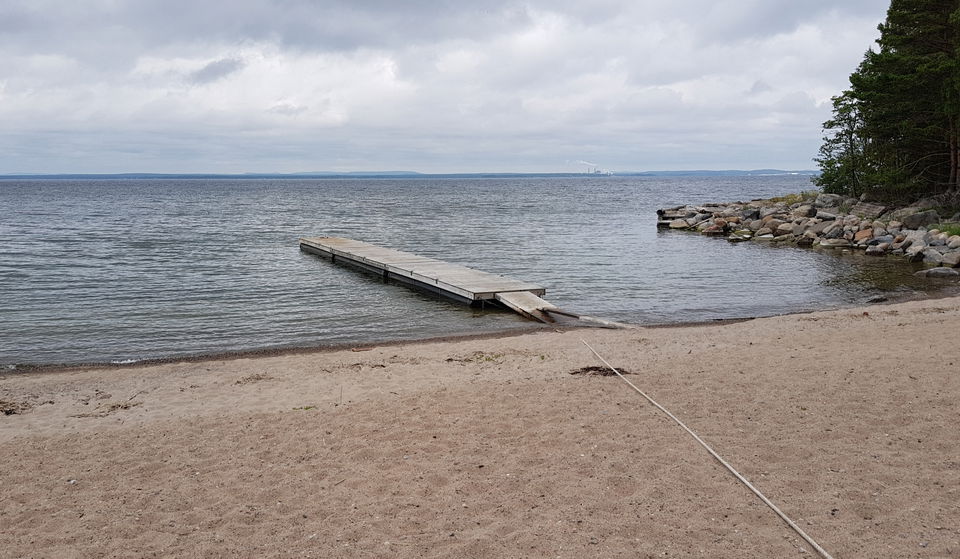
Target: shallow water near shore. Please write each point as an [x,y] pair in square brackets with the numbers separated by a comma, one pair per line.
[102,270]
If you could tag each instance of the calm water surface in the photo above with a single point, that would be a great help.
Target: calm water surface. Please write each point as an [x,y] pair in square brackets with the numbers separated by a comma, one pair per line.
[115,270]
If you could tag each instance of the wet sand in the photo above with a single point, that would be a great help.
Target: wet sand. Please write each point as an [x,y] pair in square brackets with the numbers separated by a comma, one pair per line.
[490,447]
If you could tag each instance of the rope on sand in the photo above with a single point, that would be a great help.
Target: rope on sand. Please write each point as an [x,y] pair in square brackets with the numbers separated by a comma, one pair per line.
[713,453]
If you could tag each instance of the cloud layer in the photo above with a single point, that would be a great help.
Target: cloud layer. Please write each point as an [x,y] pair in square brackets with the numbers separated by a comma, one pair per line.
[296,85]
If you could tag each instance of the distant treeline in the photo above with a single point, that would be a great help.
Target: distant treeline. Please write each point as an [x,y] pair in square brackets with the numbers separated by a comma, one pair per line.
[894,133]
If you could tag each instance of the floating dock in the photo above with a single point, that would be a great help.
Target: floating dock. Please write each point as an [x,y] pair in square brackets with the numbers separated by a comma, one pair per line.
[450,280]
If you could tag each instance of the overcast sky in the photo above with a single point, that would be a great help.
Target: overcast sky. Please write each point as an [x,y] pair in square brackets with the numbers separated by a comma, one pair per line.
[536,86]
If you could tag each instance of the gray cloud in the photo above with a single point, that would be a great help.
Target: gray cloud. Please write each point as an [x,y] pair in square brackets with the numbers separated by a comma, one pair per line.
[215,70]
[292,85]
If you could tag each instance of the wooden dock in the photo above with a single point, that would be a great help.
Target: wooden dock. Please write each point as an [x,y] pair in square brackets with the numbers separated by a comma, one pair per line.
[451,280]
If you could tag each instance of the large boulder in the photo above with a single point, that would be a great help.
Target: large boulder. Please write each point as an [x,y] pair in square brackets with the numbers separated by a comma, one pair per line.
[951,260]
[805,210]
[932,256]
[939,272]
[867,210]
[835,243]
[863,236]
[921,219]
[828,200]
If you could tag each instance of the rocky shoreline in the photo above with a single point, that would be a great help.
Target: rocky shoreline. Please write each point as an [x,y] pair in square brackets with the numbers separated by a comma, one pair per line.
[830,221]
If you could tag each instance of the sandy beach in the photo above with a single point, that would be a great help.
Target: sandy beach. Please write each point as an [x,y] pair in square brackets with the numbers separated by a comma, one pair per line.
[491,447]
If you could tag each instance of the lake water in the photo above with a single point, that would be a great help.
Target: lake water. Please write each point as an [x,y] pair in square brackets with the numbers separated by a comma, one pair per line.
[98,270]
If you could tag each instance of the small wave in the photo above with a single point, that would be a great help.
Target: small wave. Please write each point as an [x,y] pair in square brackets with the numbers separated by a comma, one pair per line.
[124,361]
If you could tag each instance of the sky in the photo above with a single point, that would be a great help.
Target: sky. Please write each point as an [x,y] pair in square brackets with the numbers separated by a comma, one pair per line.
[286,86]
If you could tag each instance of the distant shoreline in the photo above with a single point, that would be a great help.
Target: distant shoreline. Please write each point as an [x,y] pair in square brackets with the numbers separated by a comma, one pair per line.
[400,175]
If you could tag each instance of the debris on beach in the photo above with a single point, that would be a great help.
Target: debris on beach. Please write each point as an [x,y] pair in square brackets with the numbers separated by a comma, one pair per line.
[107,408]
[14,408]
[599,371]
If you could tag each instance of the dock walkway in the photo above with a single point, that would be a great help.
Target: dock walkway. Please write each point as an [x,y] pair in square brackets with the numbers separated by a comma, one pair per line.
[451,280]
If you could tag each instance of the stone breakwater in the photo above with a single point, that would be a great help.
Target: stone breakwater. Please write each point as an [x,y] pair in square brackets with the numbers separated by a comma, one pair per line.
[828,221]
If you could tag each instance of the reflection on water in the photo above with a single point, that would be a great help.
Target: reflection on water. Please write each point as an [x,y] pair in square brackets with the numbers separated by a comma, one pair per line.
[101,270]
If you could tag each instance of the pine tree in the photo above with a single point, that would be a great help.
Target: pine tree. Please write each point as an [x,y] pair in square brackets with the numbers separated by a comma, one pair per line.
[894,133]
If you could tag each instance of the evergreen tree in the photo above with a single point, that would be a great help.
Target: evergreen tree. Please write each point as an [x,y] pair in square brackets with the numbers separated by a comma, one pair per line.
[894,133]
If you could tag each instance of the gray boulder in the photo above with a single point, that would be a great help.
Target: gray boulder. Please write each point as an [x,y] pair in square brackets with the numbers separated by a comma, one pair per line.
[835,243]
[932,256]
[828,200]
[921,219]
[868,210]
[951,260]
[805,211]
[939,273]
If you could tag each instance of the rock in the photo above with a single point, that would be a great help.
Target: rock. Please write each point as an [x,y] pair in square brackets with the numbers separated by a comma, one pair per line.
[880,232]
[805,241]
[868,210]
[875,250]
[926,204]
[833,232]
[851,221]
[679,224]
[828,200]
[764,231]
[821,227]
[863,236]
[805,211]
[772,222]
[765,212]
[715,231]
[755,225]
[921,219]
[932,256]
[938,273]
[750,214]
[835,243]
[899,215]
[951,260]
[785,229]
[954,242]
[914,253]
[884,240]
[826,216]
[764,237]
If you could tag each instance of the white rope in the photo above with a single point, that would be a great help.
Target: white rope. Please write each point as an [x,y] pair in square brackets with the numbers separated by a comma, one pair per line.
[726,465]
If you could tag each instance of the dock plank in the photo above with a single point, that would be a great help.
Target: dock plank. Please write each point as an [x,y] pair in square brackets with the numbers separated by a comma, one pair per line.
[454,279]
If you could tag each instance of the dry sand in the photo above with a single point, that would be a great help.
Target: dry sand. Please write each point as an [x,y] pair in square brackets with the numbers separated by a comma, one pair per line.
[849,420]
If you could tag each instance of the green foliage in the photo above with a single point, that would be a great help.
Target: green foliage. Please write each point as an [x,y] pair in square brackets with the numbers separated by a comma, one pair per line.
[894,133]
[949,228]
